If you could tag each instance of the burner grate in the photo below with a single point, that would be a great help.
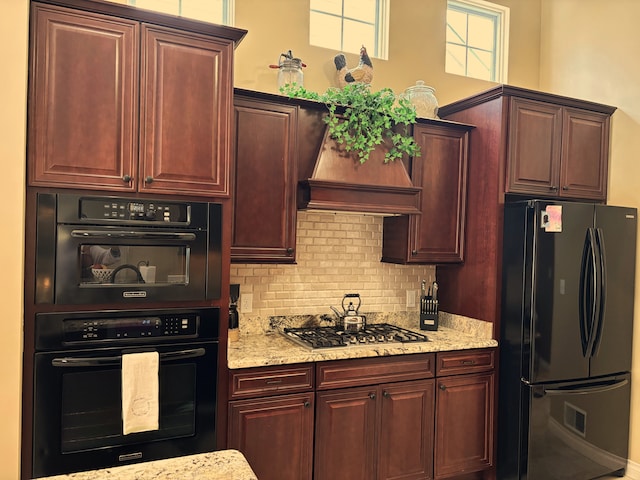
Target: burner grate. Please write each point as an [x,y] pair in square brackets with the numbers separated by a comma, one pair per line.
[332,337]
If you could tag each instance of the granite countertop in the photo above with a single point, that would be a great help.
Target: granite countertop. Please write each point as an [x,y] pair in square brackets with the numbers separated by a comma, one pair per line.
[270,347]
[220,465]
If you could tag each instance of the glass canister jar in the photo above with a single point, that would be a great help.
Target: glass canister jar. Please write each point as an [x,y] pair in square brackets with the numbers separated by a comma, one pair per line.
[289,70]
[423,98]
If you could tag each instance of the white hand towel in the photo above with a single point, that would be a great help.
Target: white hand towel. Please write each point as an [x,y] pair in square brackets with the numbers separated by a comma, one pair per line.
[140,404]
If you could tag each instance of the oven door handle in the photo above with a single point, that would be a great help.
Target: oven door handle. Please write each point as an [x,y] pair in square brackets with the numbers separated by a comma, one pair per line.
[117,359]
[132,234]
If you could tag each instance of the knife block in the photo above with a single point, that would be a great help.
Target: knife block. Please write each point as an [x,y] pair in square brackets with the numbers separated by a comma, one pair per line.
[428,313]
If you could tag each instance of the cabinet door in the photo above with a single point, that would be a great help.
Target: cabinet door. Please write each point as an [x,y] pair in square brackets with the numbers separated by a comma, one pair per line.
[275,434]
[345,434]
[464,424]
[534,147]
[436,236]
[186,98]
[405,441]
[585,153]
[82,100]
[264,221]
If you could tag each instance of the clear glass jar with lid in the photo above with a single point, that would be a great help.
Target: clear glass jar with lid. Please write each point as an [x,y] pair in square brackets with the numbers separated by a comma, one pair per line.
[289,70]
[423,98]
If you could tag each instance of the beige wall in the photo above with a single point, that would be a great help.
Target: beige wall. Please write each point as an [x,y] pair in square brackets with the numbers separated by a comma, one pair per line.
[597,60]
[13,84]
[416,51]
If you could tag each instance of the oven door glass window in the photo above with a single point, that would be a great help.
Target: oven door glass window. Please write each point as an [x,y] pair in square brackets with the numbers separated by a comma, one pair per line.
[92,412]
[104,265]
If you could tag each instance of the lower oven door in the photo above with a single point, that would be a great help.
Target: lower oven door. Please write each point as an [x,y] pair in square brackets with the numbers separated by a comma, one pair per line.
[78,408]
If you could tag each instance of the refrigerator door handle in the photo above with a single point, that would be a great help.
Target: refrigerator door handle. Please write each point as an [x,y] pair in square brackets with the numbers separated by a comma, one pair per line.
[577,390]
[601,289]
[587,294]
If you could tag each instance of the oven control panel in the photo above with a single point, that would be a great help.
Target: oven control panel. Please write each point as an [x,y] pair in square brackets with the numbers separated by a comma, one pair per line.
[146,211]
[183,325]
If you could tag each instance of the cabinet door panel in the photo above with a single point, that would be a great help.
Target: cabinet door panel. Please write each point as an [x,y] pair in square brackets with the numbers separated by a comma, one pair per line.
[345,434]
[83,93]
[436,236]
[275,434]
[405,445]
[185,113]
[464,424]
[534,147]
[264,224]
[585,150]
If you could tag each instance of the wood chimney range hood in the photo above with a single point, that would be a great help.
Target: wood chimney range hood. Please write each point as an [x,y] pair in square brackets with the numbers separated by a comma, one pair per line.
[339,182]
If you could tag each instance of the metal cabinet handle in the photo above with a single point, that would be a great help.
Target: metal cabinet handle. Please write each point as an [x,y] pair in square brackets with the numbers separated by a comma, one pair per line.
[306,404]
[414,252]
[148,179]
[127,178]
[289,250]
[443,387]
[553,188]
[566,187]
[372,396]
[273,381]
[468,362]
[386,394]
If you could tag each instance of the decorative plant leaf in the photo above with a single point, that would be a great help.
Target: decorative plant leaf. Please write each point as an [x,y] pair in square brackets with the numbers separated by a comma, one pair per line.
[360,119]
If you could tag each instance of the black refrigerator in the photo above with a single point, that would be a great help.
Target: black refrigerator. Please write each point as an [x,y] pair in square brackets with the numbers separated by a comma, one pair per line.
[566,337]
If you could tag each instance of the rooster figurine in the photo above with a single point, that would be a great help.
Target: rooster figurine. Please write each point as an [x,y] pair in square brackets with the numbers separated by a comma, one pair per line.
[363,73]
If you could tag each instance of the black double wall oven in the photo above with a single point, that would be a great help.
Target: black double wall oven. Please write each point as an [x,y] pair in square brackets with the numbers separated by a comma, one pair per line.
[120,255]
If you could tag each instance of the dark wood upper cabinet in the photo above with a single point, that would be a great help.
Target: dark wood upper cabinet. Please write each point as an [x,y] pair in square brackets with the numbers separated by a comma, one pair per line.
[265,181]
[124,105]
[524,143]
[83,99]
[436,236]
[185,108]
[557,151]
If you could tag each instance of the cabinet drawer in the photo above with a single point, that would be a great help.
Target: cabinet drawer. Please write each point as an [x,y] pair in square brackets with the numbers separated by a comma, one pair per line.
[253,382]
[464,361]
[373,371]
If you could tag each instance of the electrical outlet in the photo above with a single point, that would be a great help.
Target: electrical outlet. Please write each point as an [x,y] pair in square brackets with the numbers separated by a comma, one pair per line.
[411,298]
[246,302]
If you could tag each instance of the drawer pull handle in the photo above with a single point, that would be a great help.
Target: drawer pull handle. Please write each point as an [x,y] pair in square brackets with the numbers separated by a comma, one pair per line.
[273,382]
[468,362]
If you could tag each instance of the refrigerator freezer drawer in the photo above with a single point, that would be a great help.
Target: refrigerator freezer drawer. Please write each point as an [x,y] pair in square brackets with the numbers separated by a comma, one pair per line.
[572,430]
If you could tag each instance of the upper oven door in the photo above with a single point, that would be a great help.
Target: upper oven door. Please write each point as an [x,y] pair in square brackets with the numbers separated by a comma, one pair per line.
[127,262]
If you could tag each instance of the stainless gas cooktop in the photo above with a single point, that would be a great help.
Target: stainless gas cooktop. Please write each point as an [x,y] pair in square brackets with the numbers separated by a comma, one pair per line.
[372,334]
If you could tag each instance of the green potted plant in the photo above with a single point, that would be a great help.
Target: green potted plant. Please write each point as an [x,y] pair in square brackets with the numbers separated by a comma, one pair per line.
[360,120]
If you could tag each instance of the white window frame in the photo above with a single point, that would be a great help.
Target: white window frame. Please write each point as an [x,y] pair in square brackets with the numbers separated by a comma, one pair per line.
[501,16]
[381,26]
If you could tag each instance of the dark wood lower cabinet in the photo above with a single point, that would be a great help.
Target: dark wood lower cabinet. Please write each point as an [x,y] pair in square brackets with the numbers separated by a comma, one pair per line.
[381,432]
[464,424]
[275,434]
[407,417]
[346,434]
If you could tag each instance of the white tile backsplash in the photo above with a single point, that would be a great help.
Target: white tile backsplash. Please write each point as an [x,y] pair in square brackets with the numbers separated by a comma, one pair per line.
[336,253]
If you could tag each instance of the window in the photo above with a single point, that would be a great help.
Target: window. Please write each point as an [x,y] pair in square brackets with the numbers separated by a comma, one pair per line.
[212,11]
[346,25]
[477,39]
